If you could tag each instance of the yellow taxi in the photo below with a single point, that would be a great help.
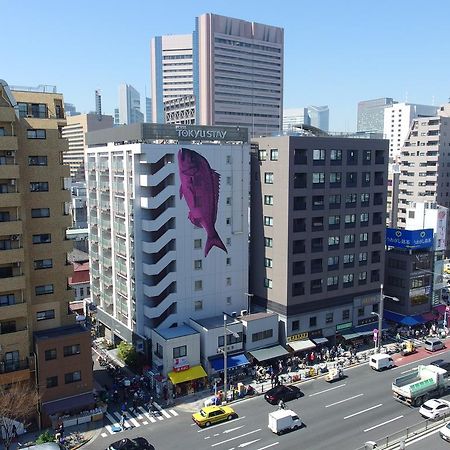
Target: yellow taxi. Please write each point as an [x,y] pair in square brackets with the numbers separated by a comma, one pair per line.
[213,414]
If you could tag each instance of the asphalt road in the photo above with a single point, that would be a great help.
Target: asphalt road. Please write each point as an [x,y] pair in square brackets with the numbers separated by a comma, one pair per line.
[339,416]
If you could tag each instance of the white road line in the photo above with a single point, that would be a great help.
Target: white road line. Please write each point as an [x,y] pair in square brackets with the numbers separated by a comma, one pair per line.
[144,422]
[268,446]
[104,435]
[113,421]
[216,434]
[327,390]
[126,424]
[134,422]
[146,414]
[165,413]
[232,429]
[406,371]
[363,411]
[245,444]
[172,411]
[345,400]
[236,437]
[110,430]
[220,424]
[381,424]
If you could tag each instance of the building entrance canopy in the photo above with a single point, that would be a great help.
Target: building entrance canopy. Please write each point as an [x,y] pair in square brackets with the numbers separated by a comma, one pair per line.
[193,373]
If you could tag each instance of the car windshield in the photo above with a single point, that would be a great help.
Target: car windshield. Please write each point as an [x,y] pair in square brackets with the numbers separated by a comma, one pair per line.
[429,408]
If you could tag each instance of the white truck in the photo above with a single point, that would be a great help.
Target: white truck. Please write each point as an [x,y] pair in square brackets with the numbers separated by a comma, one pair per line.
[422,383]
[284,420]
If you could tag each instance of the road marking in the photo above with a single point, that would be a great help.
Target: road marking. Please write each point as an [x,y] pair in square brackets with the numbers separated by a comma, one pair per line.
[268,446]
[220,424]
[345,400]
[165,413]
[217,434]
[104,435]
[236,437]
[109,428]
[406,371]
[207,437]
[144,422]
[381,424]
[125,424]
[233,429]
[148,415]
[363,411]
[327,390]
[172,411]
[135,422]
[245,444]
[417,361]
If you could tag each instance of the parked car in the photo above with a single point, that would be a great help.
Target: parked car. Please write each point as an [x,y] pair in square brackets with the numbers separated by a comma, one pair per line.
[442,364]
[434,409]
[138,443]
[282,392]
[213,414]
[444,432]
[434,344]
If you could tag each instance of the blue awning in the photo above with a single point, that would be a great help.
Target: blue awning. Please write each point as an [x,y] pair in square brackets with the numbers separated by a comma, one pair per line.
[403,320]
[369,327]
[232,362]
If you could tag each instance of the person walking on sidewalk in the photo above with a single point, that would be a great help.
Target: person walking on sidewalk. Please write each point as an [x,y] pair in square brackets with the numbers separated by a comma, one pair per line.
[122,421]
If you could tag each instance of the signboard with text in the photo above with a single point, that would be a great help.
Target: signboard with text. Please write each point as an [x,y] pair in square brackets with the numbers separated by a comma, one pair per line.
[409,239]
[180,364]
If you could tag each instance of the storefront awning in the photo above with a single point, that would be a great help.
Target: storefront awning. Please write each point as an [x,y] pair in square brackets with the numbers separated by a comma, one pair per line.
[320,341]
[192,373]
[69,403]
[233,361]
[350,336]
[362,330]
[305,344]
[402,319]
[265,354]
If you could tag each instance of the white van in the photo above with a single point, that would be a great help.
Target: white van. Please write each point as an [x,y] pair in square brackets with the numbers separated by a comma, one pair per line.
[381,361]
[433,344]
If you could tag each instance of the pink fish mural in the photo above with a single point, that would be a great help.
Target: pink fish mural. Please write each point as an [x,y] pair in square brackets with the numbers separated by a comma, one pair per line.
[200,189]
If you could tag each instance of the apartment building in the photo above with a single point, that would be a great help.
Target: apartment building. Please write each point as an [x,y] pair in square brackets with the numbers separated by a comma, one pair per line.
[34,293]
[317,231]
[153,266]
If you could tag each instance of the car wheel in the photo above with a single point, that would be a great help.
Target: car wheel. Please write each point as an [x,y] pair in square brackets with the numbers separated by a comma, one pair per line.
[230,417]
[207,424]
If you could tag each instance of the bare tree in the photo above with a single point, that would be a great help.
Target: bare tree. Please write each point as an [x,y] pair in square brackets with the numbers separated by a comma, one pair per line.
[18,404]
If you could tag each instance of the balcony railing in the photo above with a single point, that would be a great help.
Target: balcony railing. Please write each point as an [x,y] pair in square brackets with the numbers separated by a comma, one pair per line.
[14,366]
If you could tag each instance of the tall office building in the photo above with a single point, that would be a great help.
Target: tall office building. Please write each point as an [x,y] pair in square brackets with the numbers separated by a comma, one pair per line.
[371,114]
[129,105]
[116,117]
[75,132]
[168,226]
[425,165]
[232,68]
[70,110]
[318,231]
[319,117]
[37,331]
[295,117]
[148,109]
[98,102]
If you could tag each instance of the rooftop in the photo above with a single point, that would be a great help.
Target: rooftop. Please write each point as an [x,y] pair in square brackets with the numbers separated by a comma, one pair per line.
[175,332]
[213,322]
[60,331]
[77,256]
[257,316]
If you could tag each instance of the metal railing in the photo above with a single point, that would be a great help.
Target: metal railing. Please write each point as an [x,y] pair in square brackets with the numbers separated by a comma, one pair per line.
[14,366]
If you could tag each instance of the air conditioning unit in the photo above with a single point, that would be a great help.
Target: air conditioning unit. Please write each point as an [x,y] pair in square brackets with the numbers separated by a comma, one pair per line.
[244,312]
[9,153]
[14,237]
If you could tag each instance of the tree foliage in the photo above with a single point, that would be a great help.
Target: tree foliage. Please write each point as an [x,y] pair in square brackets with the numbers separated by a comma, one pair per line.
[127,353]
[46,436]
[18,404]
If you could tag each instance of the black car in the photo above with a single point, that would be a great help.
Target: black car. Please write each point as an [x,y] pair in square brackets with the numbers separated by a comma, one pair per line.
[285,393]
[442,364]
[138,443]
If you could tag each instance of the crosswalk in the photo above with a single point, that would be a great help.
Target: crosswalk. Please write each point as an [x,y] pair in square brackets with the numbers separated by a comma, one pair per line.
[137,418]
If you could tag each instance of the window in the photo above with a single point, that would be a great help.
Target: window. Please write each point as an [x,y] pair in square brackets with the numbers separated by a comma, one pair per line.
[72,377]
[42,238]
[367,155]
[228,242]
[360,312]
[364,218]
[362,276]
[349,239]
[228,261]
[50,354]
[262,155]
[228,281]
[43,264]
[44,289]
[36,134]
[345,314]
[198,264]
[334,221]
[349,258]
[228,221]
[230,339]
[336,155]
[348,278]
[363,237]
[333,240]
[37,160]
[268,262]
[228,181]
[228,159]
[363,256]
[5,216]
[38,186]
[334,201]
[266,334]
[268,221]
[295,325]
[268,177]
[180,352]
[268,283]
[52,382]
[45,315]
[318,155]
[268,242]
[318,177]
[197,243]
[335,177]
[70,350]
[333,261]
[312,321]
[228,200]
[329,317]
[268,199]
[351,178]
[7,300]
[198,285]
[228,300]
[37,213]
[350,199]
[365,198]
[159,350]
[318,202]
[350,218]
[332,281]
[366,179]
[198,305]
[274,154]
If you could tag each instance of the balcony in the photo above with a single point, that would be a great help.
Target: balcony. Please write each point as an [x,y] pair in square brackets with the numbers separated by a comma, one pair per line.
[14,371]
[13,283]
[14,311]
[12,255]
[10,199]
[10,227]
[8,143]
[13,366]
[8,170]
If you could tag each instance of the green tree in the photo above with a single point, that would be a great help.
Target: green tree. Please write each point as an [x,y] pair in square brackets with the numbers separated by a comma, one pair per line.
[46,436]
[127,353]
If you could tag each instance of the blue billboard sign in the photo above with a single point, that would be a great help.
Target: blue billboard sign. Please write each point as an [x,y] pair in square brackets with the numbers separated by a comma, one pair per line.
[409,239]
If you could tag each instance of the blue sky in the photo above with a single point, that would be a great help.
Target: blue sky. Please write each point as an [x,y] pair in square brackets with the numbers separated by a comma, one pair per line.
[336,52]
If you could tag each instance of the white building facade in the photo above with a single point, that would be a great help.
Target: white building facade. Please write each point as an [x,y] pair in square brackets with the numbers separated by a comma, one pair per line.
[129,105]
[165,246]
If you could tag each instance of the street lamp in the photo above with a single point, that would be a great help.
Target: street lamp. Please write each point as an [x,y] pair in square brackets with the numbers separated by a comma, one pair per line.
[225,354]
[380,316]
[249,305]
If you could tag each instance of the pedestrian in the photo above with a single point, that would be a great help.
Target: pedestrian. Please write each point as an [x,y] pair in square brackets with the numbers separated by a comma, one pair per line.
[122,421]
[135,405]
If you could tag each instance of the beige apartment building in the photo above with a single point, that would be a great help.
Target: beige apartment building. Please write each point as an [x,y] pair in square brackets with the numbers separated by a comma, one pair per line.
[34,215]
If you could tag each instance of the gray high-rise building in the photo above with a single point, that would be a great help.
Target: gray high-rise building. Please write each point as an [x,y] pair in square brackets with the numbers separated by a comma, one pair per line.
[371,114]
[148,109]
[98,102]
[70,109]
[318,231]
[129,105]
[319,117]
